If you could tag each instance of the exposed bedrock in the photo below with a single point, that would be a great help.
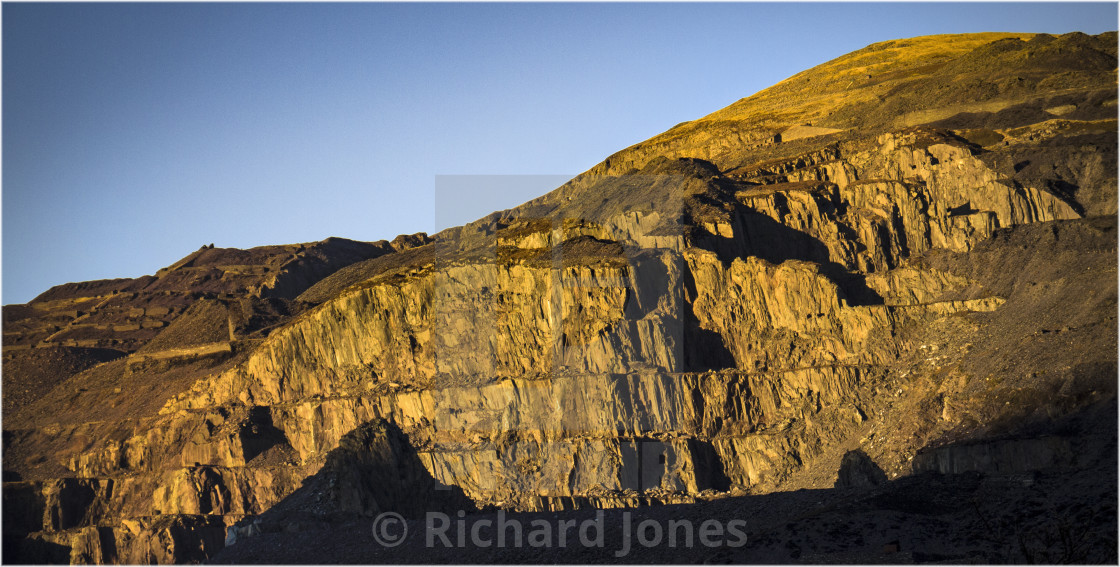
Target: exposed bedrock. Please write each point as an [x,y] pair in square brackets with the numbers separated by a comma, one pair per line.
[702,315]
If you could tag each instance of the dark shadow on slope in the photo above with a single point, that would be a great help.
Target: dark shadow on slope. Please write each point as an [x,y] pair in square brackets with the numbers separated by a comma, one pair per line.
[24,512]
[259,434]
[857,470]
[1055,513]
[775,242]
[703,349]
[853,286]
[1090,105]
[1081,437]
[709,468]
[33,551]
[374,470]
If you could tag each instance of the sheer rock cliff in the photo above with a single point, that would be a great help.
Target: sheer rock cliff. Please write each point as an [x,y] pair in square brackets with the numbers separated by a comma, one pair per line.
[902,251]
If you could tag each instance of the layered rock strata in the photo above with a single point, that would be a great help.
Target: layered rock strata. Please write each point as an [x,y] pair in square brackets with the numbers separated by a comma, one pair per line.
[726,309]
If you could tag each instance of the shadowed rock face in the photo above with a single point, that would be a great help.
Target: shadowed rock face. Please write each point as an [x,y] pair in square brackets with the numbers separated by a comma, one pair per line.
[857,470]
[907,252]
[373,470]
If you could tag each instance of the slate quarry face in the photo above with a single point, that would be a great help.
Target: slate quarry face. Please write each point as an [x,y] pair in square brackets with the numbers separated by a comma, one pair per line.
[906,254]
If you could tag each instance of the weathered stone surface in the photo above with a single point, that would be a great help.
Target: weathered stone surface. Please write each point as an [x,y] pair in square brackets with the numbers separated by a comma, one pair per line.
[741,305]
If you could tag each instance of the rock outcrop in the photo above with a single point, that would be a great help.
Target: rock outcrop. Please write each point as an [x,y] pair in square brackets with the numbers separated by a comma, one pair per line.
[894,253]
[857,470]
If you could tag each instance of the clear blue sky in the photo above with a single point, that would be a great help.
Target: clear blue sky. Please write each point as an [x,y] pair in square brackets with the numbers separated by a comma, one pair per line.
[135,133]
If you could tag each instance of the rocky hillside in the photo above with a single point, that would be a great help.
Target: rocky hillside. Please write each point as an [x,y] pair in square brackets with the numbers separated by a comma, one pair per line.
[909,251]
